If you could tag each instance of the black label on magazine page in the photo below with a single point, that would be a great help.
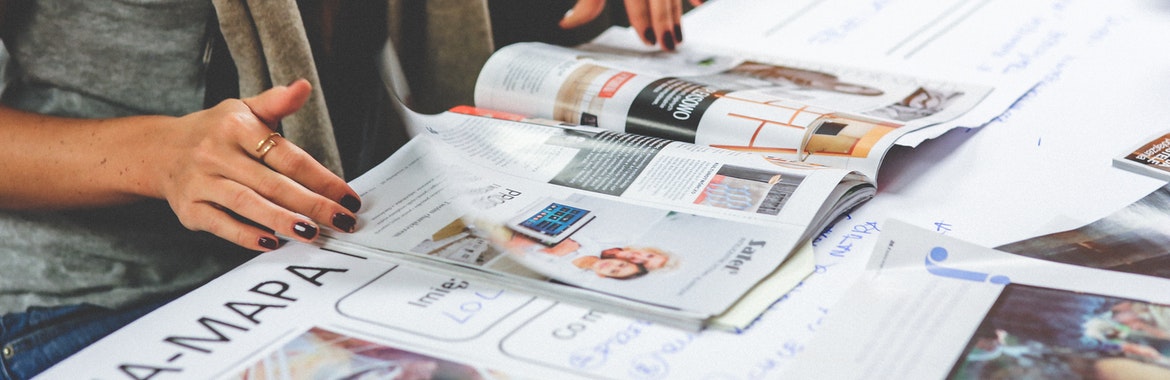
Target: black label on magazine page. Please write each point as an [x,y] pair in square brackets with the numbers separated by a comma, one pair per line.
[670,108]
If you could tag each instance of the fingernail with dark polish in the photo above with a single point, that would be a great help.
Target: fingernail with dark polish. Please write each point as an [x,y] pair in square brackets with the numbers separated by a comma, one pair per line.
[344,222]
[649,35]
[668,41]
[351,203]
[267,242]
[305,230]
[677,33]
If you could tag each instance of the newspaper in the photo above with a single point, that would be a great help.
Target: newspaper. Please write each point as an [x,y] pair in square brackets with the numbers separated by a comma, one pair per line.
[650,228]
[794,110]
[950,309]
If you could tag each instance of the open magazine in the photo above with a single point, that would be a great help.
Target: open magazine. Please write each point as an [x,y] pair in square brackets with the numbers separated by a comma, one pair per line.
[667,198]
[652,228]
[836,116]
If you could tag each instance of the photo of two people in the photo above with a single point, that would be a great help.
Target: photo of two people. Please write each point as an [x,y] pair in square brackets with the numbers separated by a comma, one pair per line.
[642,253]
[550,229]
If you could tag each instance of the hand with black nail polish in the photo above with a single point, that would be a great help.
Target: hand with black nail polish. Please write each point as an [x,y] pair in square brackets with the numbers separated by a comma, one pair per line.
[245,169]
[225,170]
[658,22]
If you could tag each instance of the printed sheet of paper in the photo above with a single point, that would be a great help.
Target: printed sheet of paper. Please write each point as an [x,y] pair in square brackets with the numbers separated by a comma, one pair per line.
[303,310]
[1042,167]
[1013,44]
[1046,164]
[934,307]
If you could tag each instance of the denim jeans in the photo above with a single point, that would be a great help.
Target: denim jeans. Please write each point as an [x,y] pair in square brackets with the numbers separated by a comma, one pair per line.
[40,337]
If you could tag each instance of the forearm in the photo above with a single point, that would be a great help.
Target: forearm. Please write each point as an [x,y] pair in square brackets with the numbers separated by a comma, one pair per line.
[213,167]
[56,163]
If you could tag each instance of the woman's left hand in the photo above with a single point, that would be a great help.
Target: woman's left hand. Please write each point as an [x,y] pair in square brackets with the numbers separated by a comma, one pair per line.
[658,22]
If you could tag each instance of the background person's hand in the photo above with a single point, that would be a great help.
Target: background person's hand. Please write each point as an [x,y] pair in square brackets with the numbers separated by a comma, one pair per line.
[220,170]
[658,22]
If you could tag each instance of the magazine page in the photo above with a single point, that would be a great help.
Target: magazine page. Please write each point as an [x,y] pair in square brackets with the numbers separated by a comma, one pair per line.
[827,115]
[936,307]
[658,227]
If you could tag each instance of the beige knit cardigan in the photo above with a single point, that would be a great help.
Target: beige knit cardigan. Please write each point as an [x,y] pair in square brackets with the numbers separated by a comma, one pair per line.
[268,43]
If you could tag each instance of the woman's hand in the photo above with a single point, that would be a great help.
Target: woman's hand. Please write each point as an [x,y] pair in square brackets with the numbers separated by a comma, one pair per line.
[222,170]
[658,22]
[226,163]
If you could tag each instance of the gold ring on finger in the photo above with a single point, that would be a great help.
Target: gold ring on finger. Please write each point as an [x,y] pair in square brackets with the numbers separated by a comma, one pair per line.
[266,144]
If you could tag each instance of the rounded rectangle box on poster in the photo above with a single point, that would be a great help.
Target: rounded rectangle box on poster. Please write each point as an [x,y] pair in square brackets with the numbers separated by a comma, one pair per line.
[453,309]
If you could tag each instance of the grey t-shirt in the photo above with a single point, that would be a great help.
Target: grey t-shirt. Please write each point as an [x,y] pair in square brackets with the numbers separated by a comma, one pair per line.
[100,58]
